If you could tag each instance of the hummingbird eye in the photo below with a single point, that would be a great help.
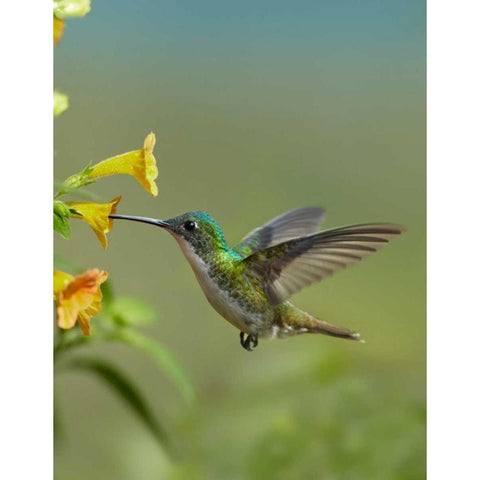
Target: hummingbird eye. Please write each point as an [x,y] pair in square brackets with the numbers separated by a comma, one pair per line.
[189,225]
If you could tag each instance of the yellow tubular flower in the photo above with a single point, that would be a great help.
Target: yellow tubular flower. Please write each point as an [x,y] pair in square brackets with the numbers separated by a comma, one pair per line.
[141,164]
[96,215]
[78,298]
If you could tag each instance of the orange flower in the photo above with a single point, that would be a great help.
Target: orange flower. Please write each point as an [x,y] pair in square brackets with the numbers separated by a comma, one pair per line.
[96,215]
[141,164]
[78,298]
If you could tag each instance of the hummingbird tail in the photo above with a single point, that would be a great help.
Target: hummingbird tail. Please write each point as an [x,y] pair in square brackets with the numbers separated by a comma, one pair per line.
[320,326]
[295,321]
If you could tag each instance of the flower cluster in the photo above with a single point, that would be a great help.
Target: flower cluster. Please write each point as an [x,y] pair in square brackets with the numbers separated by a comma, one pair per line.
[79,298]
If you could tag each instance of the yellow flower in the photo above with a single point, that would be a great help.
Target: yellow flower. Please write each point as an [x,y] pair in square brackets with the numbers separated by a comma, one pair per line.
[58,26]
[96,215]
[78,298]
[140,164]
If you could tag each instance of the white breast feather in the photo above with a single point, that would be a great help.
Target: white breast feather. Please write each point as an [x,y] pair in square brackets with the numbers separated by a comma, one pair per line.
[220,299]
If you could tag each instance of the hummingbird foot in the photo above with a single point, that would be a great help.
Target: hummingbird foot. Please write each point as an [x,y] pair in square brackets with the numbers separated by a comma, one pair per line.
[248,341]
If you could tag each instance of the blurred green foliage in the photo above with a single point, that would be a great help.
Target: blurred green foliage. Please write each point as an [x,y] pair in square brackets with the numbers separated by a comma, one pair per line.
[60,103]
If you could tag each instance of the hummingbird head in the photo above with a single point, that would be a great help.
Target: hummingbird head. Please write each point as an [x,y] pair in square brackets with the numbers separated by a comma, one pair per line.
[195,231]
[198,230]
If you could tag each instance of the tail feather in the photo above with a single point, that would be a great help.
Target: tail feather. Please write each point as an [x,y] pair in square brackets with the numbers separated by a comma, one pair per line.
[320,326]
[294,321]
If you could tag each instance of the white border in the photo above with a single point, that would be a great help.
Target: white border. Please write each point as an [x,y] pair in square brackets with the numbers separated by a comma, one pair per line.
[453,238]
[26,240]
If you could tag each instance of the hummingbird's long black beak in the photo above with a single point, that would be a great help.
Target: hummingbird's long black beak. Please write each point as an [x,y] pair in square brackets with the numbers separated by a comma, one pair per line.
[152,221]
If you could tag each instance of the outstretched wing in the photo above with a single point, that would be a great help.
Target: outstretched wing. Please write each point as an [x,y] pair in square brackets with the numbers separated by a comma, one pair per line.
[286,268]
[292,224]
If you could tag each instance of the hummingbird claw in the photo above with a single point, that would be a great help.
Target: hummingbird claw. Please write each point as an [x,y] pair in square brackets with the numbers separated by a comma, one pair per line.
[246,341]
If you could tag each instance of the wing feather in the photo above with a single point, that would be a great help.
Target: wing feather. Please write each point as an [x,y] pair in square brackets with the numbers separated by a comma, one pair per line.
[288,267]
[295,223]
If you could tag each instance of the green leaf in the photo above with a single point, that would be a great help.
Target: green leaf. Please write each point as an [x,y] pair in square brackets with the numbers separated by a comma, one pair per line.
[126,389]
[61,209]
[61,214]
[127,311]
[61,226]
[60,103]
[162,357]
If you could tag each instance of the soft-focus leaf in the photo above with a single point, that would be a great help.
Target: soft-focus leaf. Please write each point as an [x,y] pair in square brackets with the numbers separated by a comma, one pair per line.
[163,358]
[60,103]
[126,389]
[127,311]
[108,296]
[71,8]
[62,263]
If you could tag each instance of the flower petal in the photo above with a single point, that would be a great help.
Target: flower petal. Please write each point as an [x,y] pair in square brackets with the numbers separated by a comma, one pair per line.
[84,322]
[60,281]
[96,215]
[58,27]
[79,299]
[141,164]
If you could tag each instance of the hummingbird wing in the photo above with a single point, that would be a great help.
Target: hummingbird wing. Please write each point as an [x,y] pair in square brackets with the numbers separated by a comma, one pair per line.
[285,269]
[292,224]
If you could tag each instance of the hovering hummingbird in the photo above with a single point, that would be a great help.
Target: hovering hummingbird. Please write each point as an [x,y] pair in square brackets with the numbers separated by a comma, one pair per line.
[250,283]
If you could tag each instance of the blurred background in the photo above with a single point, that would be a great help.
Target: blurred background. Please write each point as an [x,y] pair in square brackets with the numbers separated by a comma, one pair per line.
[258,108]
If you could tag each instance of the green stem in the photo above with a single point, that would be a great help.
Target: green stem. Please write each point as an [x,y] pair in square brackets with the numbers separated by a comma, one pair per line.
[64,189]
[65,345]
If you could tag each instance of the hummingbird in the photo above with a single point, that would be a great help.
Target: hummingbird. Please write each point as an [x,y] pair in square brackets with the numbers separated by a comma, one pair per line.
[250,283]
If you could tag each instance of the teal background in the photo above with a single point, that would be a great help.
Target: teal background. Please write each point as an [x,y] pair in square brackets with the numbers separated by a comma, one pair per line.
[258,108]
